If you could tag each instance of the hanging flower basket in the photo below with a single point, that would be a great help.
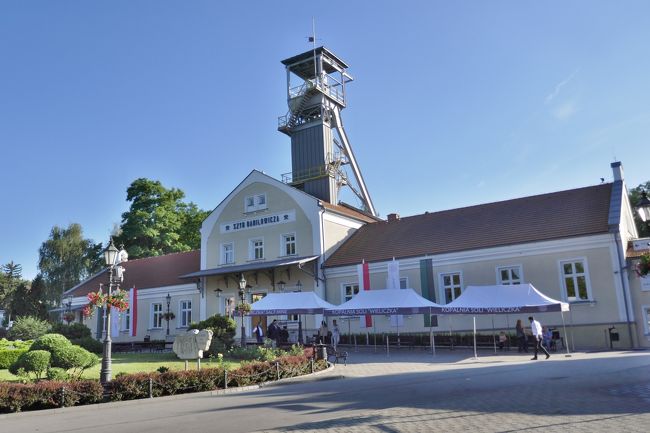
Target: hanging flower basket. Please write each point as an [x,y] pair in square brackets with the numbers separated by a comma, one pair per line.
[118,300]
[643,267]
[168,316]
[68,316]
[244,308]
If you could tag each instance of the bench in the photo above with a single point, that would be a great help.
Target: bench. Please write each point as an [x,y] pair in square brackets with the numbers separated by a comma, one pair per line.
[337,355]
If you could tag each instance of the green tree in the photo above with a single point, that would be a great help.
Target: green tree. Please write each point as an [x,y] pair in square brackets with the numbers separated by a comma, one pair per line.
[11,280]
[635,196]
[158,221]
[30,299]
[67,258]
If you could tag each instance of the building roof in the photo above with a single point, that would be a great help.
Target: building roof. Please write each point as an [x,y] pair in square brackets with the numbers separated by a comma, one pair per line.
[150,272]
[255,266]
[557,215]
[350,212]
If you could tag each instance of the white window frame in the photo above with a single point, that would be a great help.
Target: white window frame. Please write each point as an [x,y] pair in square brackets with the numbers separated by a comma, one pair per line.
[260,202]
[252,248]
[183,320]
[443,287]
[343,290]
[585,267]
[126,320]
[284,243]
[509,268]
[223,259]
[405,281]
[645,313]
[154,314]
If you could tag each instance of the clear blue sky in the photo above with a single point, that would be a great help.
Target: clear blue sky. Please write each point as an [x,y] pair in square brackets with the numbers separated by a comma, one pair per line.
[454,103]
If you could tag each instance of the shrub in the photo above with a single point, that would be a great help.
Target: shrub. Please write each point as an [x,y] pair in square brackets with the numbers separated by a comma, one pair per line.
[73,358]
[28,328]
[10,351]
[50,342]
[223,329]
[162,369]
[16,397]
[34,362]
[73,331]
[90,344]
[56,373]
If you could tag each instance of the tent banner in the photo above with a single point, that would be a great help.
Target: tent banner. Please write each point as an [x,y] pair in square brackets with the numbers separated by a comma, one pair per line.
[499,310]
[379,311]
[280,311]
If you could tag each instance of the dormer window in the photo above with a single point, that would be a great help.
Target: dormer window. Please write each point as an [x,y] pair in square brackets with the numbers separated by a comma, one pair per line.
[255,202]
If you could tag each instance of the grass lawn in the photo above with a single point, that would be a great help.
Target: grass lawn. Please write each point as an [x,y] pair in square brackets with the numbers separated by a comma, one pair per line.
[138,363]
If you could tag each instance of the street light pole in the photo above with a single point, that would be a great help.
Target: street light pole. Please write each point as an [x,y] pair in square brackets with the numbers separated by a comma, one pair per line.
[112,257]
[242,295]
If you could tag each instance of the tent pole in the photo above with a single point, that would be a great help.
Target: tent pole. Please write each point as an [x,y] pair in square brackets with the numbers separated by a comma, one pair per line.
[564,327]
[374,332]
[475,355]
[494,338]
[451,339]
[508,333]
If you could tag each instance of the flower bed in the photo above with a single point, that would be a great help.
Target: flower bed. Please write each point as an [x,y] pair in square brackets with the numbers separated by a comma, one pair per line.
[50,394]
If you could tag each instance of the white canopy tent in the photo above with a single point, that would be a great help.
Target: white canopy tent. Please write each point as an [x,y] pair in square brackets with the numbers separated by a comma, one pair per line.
[386,302]
[275,304]
[504,299]
[289,303]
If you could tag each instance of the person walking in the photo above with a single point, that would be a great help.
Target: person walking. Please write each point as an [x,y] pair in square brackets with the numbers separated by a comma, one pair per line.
[522,339]
[336,336]
[536,328]
[322,333]
[273,333]
[259,333]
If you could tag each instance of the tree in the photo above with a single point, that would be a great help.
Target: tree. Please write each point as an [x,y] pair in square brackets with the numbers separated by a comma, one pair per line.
[158,221]
[635,195]
[67,258]
[30,299]
[11,279]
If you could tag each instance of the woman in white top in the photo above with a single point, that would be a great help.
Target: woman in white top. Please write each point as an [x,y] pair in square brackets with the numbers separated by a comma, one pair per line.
[336,336]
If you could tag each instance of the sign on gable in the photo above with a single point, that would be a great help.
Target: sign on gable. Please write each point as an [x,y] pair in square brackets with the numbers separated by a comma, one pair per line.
[258,221]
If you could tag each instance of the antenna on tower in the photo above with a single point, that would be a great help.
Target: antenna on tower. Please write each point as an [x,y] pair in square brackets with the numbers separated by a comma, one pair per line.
[312,39]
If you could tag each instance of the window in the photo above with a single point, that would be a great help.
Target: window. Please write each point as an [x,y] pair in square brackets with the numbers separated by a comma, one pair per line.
[289,244]
[185,310]
[575,282]
[227,253]
[509,275]
[349,290]
[156,316]
[126,320]
[255,202]
[403,283]
[451,286]
[256,249]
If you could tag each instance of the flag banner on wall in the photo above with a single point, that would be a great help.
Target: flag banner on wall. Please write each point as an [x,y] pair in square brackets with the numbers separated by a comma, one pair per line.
[364,284]
[133,307]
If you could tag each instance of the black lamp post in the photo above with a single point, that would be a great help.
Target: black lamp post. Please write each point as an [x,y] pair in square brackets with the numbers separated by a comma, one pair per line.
[113,258]
[299,289]
[168,316]
[281,285]
[643,207]
[242,295]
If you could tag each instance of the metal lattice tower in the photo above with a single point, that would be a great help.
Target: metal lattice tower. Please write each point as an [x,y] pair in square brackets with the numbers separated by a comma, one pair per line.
[319,144]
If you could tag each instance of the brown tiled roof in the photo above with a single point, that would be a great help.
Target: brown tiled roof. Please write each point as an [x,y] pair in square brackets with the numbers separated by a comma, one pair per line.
[557,215]
[350,211]
[147,273]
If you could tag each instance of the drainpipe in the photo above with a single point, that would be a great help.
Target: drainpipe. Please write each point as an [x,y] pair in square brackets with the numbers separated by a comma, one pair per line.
[619,248]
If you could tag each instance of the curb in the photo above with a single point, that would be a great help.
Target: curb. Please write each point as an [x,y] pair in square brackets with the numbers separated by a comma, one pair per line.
[217,392]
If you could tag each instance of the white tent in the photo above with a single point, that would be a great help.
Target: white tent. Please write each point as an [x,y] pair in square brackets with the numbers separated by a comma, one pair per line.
[503,299]
[403,301]
[289,303]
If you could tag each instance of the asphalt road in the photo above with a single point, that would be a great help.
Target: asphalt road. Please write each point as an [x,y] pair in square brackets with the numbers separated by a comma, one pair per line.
[406,393]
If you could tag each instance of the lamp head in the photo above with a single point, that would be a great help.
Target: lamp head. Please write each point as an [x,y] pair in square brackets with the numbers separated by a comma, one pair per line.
[110,254]
[643,207]
[242,283]
[281,285]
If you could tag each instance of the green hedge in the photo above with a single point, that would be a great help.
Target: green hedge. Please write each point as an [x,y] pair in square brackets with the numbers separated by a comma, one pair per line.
[17,397]
[9,356]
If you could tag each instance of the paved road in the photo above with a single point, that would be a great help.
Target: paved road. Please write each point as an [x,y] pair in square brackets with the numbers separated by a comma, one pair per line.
[602,392]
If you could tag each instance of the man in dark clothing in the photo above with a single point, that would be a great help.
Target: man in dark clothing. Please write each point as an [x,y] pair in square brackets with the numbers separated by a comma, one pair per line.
[273,332]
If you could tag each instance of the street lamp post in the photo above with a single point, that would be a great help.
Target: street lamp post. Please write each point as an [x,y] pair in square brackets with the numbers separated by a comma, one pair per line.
[242,295]
[643,207]
[115,276]
[168,316]
[299,289]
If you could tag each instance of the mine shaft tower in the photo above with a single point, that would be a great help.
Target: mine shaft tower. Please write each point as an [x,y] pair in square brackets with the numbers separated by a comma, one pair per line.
[320,148]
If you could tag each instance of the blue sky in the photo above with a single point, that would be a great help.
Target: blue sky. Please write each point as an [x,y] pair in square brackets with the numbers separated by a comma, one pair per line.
[453,103]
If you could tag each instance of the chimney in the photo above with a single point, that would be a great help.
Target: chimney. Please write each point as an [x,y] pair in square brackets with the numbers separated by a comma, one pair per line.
[392,217]
[617,168]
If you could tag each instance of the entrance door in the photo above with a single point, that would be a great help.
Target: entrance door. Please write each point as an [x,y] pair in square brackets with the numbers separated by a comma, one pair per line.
[261,320]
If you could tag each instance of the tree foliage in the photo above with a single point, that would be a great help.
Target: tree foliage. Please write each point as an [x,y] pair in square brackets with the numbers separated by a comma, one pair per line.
[158,221]
[635,196]
[67,258]
[10,279]
[28,328]
[30,299]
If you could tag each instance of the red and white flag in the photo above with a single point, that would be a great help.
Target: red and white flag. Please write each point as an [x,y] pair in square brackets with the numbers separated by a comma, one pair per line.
[364,284]
[133,309]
